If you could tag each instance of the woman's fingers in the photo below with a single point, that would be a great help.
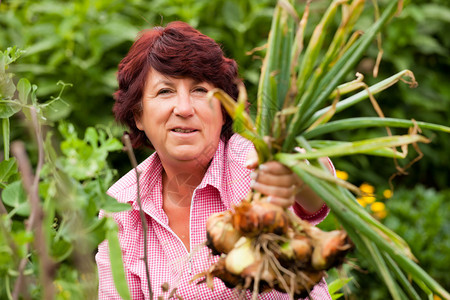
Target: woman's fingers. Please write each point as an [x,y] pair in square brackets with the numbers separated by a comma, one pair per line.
[274,191]
[275,180]
[275,168]
[282,196]
[283,202]
[285,180]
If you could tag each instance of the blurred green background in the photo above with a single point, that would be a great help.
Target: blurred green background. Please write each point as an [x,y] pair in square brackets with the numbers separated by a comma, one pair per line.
[82,42]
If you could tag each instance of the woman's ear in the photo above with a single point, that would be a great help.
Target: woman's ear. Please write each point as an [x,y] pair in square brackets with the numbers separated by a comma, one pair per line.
[138,122]
[224,114]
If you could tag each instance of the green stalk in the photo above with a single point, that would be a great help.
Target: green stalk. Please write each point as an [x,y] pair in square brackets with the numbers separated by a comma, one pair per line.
[266,104]
[115,258]
[242,122]
[297,49]
[385,152]
[351,41]
[383,270]
[232,107]
[363,146]
[357,239]
[401,278]
[349,200]
[309,60]
[5,130]
[329,83]
[284,64]
[350,101]
[333,78]
[355,9]
[350,59]
[348,87]
[364,122]
[356,210]
[326,175]
[330,195]
[315,44]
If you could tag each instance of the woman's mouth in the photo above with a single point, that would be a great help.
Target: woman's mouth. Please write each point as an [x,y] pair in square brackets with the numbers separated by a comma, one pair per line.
[183,130]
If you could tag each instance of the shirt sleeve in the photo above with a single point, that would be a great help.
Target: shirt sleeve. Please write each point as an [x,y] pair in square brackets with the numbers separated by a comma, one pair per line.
[107,289]
[320,291]
[314,218]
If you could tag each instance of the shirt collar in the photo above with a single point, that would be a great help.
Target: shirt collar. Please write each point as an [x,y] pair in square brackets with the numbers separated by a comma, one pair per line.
[214,175]
[124,190]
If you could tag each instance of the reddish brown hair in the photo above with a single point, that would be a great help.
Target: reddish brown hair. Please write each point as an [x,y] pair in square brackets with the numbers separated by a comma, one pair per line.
[177,50]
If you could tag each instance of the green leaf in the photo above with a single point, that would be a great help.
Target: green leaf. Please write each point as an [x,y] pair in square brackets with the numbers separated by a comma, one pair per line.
[112,144]
[61,249]
[115,257]
[335,286]
[7,169]
[91,136]
[22,237]
[336,296]
[7,87]
[24,88]
[112,205]
[8,108]
[14,195]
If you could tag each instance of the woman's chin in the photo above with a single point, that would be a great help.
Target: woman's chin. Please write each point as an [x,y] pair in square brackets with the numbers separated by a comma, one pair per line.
[184,156]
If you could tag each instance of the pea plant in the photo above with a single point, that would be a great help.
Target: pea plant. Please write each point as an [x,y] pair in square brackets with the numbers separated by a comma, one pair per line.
[51,192]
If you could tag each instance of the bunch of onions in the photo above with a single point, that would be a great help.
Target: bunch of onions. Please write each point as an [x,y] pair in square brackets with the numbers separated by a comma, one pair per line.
[263,247]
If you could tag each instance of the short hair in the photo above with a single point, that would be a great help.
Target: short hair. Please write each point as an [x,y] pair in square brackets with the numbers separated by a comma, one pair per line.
[175,50]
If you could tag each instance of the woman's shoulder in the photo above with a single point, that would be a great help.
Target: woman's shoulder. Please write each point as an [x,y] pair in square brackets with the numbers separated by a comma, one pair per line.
[124,189]
[238,148]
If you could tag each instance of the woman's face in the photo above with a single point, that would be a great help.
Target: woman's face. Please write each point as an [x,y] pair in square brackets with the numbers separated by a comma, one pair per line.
[179,120]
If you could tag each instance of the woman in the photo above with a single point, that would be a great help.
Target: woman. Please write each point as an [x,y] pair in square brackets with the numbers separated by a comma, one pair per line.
[199,166]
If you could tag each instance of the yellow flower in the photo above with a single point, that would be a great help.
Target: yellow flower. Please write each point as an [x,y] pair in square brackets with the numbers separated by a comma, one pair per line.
[380,214]
[368,199]
[436,297]
[367,188]
[387,194]
[361,202]
[378,207]
[341,174]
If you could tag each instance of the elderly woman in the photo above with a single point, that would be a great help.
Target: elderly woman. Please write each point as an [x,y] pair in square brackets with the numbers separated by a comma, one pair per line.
[199,166]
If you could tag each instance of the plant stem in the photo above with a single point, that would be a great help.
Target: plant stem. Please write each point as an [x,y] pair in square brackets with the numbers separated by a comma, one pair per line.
[132,157]
[5,130]
[31,185]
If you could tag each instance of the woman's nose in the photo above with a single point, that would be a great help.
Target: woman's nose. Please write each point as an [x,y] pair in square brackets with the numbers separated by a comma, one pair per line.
[183,106]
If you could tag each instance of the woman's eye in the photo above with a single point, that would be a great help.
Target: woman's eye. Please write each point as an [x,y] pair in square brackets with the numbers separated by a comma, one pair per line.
[200,90]
[163,92]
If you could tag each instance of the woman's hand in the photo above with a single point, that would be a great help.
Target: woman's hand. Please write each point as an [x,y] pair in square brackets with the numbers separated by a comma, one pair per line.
[276,181]
[282,186]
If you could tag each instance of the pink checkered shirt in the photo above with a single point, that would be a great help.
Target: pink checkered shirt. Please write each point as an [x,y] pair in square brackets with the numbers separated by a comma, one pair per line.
[225,183]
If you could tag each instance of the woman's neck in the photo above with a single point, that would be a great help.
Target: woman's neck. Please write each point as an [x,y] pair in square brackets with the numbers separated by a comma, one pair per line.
[180,181]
